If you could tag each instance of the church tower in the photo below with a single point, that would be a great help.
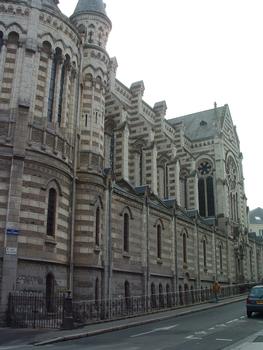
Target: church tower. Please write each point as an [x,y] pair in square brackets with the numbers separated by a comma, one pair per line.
[94,26]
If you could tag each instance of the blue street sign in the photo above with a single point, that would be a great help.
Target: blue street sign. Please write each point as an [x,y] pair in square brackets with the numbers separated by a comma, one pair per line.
[12,231]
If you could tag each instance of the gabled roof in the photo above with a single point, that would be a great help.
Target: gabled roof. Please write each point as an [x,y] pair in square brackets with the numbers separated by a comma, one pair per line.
[256,216]
[201,125]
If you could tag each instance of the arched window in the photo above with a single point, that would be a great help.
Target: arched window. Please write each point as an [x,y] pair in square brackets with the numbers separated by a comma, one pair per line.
[127,294]
[97,233]
[153,296]
[168,295]
[159,242]
[206,189]
[126,220]
[50,292]
[184,248]
[52,84]
[161,296]
[97,291]
[51,212]
[183,188]
[204,253]
[1,41]
[61,91]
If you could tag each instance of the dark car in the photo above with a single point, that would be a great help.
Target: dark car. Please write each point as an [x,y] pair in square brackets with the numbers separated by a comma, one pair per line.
[255,300]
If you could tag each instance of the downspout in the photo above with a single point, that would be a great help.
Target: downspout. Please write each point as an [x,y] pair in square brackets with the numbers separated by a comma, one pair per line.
[147,245]
[73,199]
[175,250]
[198,257]
[109,280]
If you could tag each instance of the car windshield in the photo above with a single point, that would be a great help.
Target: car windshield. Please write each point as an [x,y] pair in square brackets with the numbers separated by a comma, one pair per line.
[256,292]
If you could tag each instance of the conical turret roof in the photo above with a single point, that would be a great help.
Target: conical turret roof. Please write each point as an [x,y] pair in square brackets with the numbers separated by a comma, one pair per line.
[90,6]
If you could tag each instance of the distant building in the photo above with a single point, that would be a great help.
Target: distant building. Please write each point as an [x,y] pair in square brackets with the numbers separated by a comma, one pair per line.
[256,221]
[100,193]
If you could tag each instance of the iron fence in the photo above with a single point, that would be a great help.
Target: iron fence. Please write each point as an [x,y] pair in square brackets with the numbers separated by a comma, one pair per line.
[33,310]
[85,312]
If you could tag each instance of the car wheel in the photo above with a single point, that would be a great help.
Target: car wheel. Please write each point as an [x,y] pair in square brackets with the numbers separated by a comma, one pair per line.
[249,314]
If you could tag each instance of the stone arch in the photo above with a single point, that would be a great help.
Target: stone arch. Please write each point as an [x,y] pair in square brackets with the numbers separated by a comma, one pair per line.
[159,221]
[53,183]
[15,27]
[48,37]
[128,211]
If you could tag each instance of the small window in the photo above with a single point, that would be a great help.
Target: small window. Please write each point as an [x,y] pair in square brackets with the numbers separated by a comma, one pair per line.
[51,213]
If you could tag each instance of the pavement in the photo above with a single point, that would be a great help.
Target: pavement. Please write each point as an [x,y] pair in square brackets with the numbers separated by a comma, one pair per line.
[39,337]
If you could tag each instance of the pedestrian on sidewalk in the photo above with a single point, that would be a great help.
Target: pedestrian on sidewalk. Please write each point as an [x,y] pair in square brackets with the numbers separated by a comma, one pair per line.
[216,290]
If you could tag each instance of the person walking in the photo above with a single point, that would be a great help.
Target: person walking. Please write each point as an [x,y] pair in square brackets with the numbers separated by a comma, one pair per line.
[216,290]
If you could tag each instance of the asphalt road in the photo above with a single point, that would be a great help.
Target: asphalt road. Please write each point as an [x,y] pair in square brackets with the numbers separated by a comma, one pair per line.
[214,329]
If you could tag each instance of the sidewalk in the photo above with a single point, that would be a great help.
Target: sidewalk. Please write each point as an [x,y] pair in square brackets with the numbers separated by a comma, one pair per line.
[254,342]
[56,336]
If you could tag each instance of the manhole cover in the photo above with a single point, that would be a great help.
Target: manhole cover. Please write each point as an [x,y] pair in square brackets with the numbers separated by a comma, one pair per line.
[258,339]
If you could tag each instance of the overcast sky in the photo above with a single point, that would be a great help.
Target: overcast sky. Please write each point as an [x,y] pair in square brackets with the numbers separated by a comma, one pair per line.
[192,53]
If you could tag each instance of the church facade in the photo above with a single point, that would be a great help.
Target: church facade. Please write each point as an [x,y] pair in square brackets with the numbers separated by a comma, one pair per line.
[100,193]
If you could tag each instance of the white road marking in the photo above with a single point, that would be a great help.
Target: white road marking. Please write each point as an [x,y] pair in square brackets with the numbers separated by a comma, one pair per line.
[219,339]
[201,333]
[193,337]
[221,325]
[242,317]
[11,347]
[211,329]
[235,320]
[153,331]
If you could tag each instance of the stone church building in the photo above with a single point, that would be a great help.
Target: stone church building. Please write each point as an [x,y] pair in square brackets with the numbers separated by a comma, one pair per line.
[100,193]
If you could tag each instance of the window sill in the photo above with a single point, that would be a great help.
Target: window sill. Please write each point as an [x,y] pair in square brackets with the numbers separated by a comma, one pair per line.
[159,261]
[126,255]
[50,240]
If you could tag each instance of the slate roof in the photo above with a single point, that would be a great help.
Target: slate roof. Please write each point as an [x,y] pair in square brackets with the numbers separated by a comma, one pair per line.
[90,6]
[256,216]
[201,125]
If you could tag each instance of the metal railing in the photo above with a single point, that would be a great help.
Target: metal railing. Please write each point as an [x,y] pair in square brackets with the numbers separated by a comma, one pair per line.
[35,310]
[85,312]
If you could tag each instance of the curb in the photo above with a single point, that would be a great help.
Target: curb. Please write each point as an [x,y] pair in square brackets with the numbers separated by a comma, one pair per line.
[130,325]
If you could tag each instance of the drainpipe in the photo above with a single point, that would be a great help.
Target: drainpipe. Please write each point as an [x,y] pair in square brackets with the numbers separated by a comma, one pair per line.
[109,279]
[175,250]
[147,245]
[73,199]
[198,257]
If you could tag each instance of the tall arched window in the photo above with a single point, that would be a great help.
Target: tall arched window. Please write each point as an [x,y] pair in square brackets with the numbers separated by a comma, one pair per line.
[97,233]
[52,84]
[206,189]
[184,248]
[50,292]
[127,294]
[126,220]
[159,242]
[61,91]
[153,296]
[1,41]
[51,212]
[161,296]
[204,253]
[97,291]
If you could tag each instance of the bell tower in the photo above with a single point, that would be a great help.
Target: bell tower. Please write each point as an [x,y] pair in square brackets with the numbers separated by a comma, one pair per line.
[94,27]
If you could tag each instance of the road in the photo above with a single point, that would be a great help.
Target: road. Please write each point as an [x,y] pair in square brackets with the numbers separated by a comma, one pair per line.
[214,329]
